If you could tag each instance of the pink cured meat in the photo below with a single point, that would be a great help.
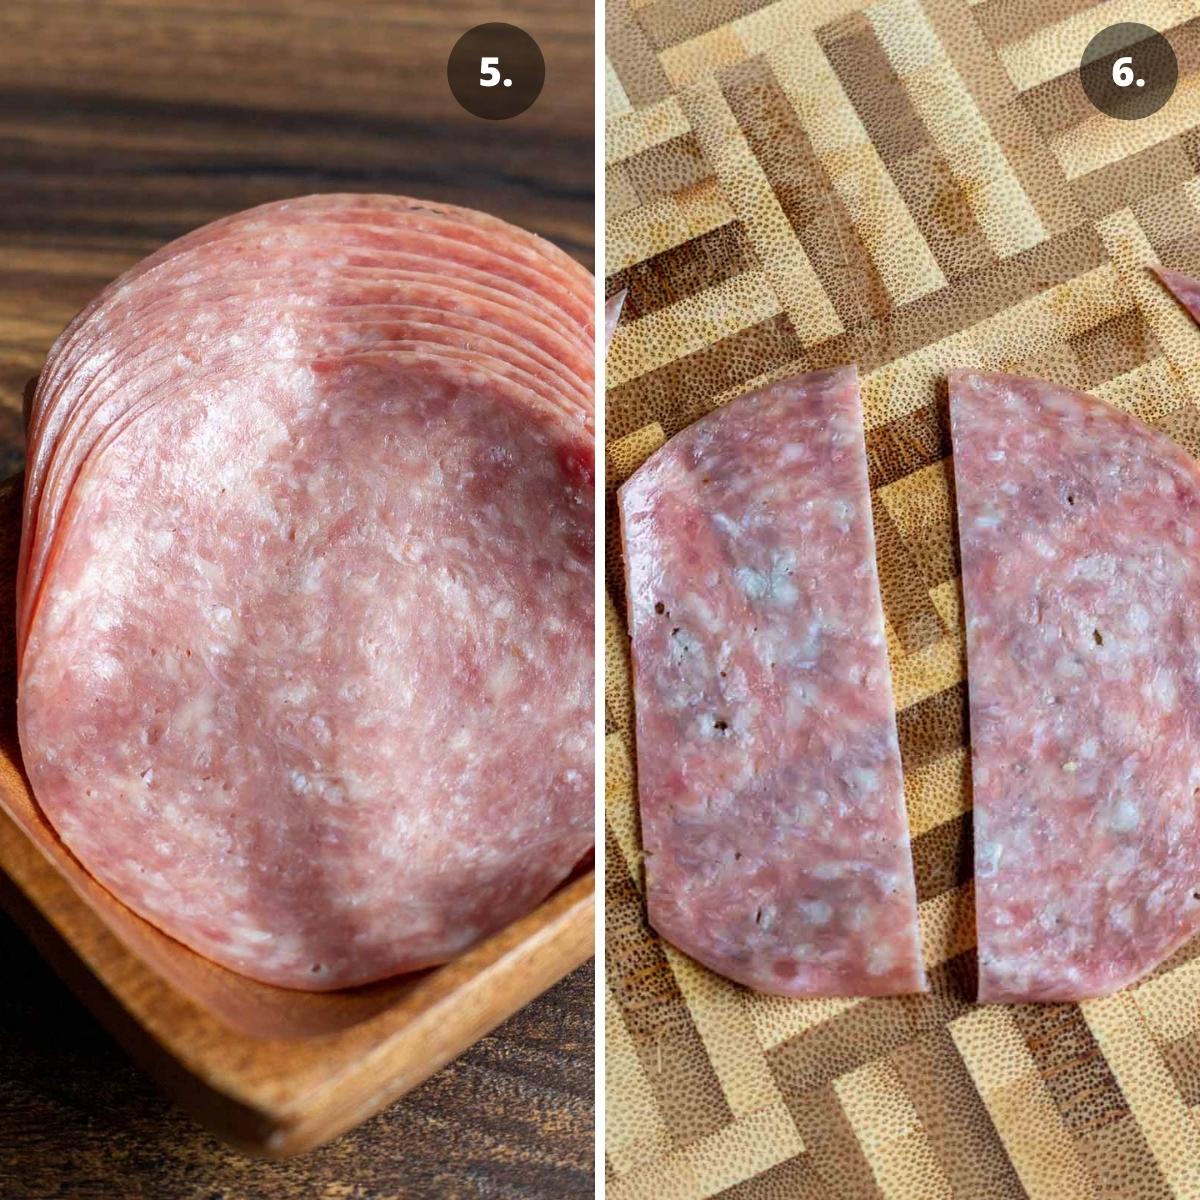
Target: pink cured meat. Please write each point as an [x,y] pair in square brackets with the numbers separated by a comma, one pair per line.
[777,850]
[343,288]
[1080,536]
[341,247]
[306,675]
[310,687]
[344,333]
[1184,288]
[340,342]
[477,229]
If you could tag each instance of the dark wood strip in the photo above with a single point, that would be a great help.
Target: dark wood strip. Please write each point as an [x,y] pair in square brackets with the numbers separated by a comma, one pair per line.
[907,444]
[684,270]
[669,22]
[1169,220]
[1114,347]
[955,1120]
[1071,1064]
[831,1147]
[666,168]
[1155,169]
[805,192]
[937,204]
[1182,1056]
[872,1029]
[933,726]
[943,857]
[683,390]
[632,56]
[964,303]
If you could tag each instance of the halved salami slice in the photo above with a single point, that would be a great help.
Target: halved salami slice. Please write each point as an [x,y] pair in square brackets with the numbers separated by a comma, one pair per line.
[1080,536]
[1184,288]
[777,850]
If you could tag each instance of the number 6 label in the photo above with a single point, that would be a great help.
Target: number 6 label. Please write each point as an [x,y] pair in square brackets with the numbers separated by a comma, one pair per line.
[1129,71]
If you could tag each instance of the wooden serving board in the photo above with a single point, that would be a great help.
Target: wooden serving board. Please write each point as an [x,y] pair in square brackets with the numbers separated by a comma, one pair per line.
[911,185]
[272,1071]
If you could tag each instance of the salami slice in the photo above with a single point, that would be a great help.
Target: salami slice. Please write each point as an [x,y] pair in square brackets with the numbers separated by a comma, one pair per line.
[306,653]
[777,850]
[1184,288]
[1080,536]
[476,229]
[192,291]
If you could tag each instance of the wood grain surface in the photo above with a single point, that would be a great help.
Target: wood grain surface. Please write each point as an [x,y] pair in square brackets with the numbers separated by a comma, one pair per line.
[511,1118]
[911,185]
[123,124]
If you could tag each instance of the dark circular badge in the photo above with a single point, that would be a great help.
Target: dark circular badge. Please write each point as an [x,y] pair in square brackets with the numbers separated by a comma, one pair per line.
[1129,71]
[496,71]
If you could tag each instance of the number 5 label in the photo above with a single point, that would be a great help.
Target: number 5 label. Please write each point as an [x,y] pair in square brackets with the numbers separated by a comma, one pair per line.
[481,84]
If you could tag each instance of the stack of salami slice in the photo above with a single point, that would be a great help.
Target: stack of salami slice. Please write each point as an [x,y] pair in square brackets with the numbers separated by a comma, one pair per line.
[305,593]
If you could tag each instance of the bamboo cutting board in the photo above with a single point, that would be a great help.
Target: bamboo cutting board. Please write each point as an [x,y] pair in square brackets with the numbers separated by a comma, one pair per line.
[272,1071]
[910,185]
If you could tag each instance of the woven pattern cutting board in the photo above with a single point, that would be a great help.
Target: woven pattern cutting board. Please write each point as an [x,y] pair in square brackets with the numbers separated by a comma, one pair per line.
[910,185]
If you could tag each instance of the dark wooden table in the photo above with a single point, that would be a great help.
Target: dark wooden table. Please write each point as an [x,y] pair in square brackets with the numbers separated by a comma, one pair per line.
[122,124]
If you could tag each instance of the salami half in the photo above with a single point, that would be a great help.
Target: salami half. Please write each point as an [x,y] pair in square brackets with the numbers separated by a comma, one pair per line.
[1080,536]
[306,669]
[777,850]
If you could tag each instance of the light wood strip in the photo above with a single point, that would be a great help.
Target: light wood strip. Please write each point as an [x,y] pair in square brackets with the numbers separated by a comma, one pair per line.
[796,283]
[719,1011]
[1026,1118]
[1148,1088]
[882,220]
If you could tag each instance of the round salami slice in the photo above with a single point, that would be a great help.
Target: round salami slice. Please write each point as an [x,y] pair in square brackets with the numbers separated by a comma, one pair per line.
[1080,536]
[182,293]
[477,229]
[306,676]
[777,849]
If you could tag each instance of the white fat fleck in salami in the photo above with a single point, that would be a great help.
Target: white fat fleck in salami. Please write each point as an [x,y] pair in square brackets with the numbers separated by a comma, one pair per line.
[1185,289]
[777,851]
[1080,536]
